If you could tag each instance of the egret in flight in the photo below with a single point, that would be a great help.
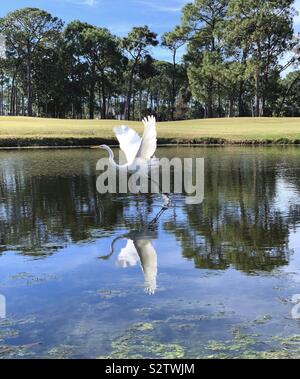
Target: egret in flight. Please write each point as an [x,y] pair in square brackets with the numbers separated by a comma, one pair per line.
[139,151]
[136,149]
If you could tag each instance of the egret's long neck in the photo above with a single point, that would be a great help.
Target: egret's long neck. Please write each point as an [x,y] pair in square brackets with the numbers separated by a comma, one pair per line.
[112,158]
[112,247]
[111,155]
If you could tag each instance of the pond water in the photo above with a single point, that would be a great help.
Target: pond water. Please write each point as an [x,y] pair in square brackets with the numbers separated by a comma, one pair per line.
[77,269]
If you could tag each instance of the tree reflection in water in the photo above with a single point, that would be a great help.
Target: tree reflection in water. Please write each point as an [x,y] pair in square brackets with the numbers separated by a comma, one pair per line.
[48,199]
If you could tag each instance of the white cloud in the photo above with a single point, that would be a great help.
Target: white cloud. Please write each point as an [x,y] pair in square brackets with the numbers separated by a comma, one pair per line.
[174,6]
[88,3]
[121,29]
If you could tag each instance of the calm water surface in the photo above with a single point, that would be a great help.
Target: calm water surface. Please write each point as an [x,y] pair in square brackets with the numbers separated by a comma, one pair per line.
[77,267]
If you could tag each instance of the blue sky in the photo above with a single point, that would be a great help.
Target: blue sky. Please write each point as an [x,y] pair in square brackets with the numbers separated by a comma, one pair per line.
[117,15]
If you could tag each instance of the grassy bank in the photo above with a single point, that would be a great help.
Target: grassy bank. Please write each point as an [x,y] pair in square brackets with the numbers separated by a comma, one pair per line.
[23,131]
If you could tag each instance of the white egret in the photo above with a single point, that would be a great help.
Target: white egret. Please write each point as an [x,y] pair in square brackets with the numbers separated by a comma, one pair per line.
[139,151]
[136,149]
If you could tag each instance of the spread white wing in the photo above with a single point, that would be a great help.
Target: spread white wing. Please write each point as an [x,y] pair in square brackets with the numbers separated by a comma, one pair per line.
[128,256]
[149,139]
[130,142]
[133,145]
[148,259]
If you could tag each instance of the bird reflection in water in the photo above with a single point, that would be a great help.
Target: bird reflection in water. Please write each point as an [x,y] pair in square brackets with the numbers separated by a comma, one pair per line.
[139,249]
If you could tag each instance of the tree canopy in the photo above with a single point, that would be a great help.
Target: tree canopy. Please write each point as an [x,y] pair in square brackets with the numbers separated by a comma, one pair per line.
[227,58]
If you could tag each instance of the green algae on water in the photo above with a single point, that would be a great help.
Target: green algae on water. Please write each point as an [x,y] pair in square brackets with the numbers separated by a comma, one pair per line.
[138,342]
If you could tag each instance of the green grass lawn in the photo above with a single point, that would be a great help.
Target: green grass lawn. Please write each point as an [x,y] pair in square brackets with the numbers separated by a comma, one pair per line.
[23,131]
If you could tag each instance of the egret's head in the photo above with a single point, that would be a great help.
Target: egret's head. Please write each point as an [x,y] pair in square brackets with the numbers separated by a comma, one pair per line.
[108,149]
[104,147]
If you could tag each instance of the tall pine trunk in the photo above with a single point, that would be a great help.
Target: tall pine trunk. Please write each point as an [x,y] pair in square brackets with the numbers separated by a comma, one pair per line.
[29,83]
[92,101]
[173,100]
[129,93]
[257,95]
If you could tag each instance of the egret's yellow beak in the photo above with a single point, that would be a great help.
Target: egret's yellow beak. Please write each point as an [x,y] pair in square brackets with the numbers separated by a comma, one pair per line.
[94,147]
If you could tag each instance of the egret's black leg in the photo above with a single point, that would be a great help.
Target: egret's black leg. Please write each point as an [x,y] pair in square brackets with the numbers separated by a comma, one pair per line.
[157,217]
